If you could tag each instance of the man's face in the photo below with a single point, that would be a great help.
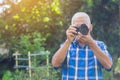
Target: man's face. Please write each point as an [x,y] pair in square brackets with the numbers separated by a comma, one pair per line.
[77,22]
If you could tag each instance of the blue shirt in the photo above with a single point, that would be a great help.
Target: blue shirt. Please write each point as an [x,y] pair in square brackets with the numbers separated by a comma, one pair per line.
[81,62]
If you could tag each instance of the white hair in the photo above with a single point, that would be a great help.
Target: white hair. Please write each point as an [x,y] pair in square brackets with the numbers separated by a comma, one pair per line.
[79,15]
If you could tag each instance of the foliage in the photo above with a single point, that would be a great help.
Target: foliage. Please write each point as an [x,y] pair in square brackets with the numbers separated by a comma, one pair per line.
[30,42]
[42,73]
[7,76]
[38,74]
[15,75]
[36,15]
[108,73]
[117,69]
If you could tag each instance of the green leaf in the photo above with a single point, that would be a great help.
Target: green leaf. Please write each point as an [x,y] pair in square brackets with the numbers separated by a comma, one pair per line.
[16,17]
[90,2]
[46,19]
[23,9]
[6,27]
[56,7]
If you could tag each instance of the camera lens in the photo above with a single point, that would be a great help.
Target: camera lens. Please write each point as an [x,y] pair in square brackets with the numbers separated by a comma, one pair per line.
[83,29]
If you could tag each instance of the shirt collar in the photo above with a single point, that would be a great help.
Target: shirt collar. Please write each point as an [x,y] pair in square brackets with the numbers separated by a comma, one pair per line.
[75,42]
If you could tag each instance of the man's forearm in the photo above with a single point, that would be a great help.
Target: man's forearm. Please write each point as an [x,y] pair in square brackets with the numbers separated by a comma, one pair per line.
[103,58]
[60,55]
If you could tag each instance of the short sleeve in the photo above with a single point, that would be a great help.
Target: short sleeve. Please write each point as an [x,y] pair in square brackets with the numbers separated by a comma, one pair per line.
[103,47]
[64,63]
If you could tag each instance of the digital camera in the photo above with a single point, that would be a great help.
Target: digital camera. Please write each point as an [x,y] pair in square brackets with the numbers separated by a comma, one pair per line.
[83,29]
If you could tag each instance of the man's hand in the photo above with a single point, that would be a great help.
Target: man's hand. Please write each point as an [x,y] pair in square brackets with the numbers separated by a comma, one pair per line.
[86,39]
[70,33]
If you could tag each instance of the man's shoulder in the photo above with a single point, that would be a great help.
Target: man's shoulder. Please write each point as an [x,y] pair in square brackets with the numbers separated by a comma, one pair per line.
[99,42]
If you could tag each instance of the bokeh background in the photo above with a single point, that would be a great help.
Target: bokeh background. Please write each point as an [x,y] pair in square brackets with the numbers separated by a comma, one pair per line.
[40,25]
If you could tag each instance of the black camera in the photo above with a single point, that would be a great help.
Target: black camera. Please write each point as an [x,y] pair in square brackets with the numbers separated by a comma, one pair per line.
[83,29]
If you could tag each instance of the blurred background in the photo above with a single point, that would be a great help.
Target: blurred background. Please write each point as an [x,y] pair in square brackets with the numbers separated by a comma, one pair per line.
[32,30]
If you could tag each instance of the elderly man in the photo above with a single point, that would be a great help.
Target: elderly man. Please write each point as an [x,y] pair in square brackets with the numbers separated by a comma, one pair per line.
[81,57]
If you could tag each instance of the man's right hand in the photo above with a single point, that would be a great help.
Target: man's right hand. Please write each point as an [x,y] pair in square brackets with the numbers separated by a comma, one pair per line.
[70,33]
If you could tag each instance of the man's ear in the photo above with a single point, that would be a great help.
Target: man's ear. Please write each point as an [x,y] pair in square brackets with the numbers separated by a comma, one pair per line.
[91,27]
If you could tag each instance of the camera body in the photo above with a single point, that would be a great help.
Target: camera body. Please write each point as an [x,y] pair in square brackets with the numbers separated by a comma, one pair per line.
[83,29]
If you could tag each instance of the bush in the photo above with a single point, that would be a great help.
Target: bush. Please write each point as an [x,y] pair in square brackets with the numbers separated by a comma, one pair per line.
[7,76]
[37,74]
[30,42]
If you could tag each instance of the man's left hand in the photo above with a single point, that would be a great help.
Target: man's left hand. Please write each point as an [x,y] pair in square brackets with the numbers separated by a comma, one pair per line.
[87,39]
